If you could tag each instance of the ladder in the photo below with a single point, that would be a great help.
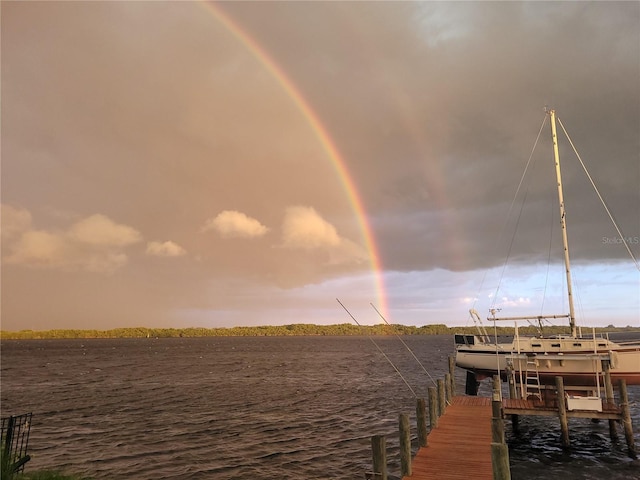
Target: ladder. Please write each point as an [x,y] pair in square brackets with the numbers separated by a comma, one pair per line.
[532,379]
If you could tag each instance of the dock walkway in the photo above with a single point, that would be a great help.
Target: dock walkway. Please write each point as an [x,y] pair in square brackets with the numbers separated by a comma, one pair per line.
[460,447]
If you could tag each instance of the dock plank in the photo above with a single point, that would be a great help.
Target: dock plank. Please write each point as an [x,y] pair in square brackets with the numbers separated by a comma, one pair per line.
[460,447]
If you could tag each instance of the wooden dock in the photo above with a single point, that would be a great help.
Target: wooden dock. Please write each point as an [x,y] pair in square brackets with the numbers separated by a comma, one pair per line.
[461,444]
[467,438]
[460,448]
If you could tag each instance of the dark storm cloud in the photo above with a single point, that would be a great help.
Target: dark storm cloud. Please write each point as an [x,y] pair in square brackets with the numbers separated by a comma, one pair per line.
[436,107]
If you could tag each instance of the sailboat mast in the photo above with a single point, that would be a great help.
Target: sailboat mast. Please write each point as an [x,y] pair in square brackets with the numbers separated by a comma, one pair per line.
[563,224]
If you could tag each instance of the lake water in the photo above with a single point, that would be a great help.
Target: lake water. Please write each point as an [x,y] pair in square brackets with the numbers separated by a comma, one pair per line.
[256,408]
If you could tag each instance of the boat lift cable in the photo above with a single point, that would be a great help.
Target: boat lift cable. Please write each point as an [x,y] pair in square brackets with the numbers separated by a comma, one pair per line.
[624,240]
[405,345]
[381,351]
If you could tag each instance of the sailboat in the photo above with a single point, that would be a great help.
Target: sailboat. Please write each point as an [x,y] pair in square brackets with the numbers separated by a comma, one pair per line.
[580,360]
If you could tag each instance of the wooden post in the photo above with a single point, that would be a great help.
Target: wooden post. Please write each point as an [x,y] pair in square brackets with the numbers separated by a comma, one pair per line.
[421,420]
[433,407]
[452,371]
[562,412]
[471,387]
[379,450]
[497,430]
[497,388]
[405,445]
[499,449]
[496,400]
[608,388]
[500,461]
[512,382]
[442,401]
[513,393]
[626,418]
[497,423]
[447,388]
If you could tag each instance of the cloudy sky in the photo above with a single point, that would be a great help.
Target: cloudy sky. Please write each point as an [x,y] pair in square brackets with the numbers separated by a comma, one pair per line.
[174,164]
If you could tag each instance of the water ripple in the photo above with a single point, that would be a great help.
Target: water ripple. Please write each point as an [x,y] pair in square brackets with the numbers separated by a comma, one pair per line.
[260,408]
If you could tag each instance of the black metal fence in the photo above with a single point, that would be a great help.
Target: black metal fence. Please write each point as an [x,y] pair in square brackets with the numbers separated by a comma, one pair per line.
[15,440]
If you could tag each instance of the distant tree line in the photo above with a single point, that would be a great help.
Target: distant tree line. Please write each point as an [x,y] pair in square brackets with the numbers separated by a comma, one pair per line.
[299,329]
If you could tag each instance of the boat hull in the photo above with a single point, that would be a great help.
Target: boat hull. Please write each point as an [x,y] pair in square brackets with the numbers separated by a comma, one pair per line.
[578,361]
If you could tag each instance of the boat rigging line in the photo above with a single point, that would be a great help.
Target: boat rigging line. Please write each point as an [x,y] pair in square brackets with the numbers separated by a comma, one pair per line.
[511,207]
[380,349]
[615,225]
[406,346]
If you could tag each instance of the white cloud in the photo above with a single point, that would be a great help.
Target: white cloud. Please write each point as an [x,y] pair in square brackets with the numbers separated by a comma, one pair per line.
[514,302]
[39,248]
[102,231]
[93,244]
[231,223]
[304,228]
[166,249]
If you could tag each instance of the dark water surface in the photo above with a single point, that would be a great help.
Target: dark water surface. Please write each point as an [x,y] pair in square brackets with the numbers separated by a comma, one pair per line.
[255,408]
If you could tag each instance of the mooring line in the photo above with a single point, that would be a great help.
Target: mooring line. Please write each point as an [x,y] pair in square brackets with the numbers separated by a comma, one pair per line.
[406,346]
[381,351]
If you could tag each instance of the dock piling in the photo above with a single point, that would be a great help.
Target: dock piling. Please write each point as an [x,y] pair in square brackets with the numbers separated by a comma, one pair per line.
[379,451]
[405,445]
[513,393]
[421,420]
[562,412]
[452,373]
[512,382]
[626,418]
[433,408]
[447,388]
[608,387]
[500,461]
[497,421]
[442,400]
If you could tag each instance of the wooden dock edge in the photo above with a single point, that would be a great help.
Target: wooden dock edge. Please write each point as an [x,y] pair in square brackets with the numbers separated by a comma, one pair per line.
[485,447]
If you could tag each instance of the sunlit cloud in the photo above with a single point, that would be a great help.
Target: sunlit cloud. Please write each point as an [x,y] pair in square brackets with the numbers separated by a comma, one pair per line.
[304,228]
[102,231]
[39,248]
[165,249]
[234,224]
[92,244]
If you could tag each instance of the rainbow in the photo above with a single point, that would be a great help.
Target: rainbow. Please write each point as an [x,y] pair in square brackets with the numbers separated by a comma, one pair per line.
[323,137]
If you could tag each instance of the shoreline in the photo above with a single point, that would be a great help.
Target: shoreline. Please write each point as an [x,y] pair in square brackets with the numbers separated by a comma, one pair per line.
[301,329]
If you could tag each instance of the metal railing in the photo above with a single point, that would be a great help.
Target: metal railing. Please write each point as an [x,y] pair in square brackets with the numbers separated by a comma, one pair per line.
[14,442]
